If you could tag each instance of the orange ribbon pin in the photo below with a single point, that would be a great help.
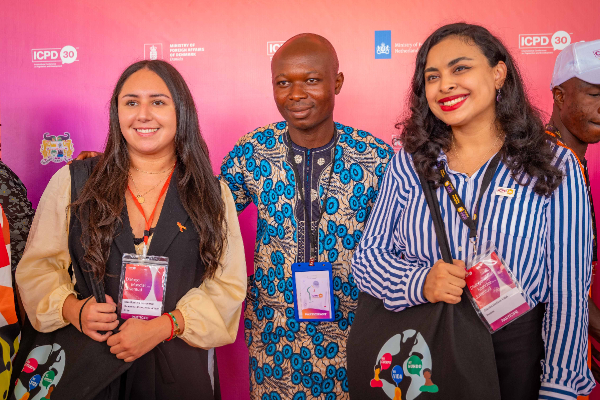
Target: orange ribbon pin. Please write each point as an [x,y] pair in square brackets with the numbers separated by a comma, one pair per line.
[181,227]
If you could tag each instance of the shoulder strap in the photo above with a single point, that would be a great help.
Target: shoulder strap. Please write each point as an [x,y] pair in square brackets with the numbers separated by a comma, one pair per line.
[436,215]
[80,172]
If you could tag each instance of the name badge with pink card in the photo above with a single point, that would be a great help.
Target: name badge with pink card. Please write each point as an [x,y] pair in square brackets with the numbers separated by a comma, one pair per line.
[142,287]
[494,292]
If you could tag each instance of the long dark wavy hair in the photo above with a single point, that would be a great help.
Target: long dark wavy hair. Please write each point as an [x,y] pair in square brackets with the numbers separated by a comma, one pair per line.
[199,190]
[526,151]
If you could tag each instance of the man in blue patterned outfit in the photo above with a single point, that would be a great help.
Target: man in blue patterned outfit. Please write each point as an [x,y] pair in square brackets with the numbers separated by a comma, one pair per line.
[339,170]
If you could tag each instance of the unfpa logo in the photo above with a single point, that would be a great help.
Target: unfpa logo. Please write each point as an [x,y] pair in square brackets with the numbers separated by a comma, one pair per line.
[383,44]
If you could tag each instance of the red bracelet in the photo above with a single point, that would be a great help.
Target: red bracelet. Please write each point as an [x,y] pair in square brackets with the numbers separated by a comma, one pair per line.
[172,328]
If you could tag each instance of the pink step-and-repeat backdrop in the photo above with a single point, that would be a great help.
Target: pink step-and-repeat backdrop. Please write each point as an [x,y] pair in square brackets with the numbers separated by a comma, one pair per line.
[60,60]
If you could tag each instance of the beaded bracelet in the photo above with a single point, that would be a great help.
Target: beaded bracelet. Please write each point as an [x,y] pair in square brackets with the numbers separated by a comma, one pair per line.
[174,321]
[172,328]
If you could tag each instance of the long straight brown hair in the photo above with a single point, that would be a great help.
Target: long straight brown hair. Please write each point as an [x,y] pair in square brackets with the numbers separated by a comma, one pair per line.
[199,190]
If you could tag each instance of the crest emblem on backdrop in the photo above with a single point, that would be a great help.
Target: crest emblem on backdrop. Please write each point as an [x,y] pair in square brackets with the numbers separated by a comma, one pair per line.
[56,148]
[383,49]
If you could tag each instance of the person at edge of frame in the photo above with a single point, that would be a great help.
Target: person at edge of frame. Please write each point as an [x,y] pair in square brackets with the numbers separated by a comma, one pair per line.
[468,105]
[19,213]
[9,324]
[575,122]
[314,182]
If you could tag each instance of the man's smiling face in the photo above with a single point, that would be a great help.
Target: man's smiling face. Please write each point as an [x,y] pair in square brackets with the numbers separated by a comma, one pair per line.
[305,82]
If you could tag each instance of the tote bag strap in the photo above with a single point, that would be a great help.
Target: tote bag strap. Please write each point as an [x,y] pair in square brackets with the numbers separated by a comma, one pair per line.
[436,215]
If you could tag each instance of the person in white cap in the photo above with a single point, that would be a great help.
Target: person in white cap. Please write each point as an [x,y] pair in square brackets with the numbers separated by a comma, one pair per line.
[575,122]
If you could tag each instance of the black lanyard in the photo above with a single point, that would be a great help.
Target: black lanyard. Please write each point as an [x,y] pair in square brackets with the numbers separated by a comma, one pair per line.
[314,254]
[458,203]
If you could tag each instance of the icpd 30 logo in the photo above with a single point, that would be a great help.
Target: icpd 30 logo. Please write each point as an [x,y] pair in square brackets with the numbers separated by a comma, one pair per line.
[272,48]
[53,57]
[543,43]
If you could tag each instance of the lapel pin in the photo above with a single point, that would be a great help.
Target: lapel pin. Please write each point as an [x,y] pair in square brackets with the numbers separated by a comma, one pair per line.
[181,227]
[506,192]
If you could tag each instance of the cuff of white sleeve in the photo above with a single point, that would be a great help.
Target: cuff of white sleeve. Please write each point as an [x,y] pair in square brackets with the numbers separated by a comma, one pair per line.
[415,282]
[51,318]
[64,292]
[187,332]
[550,391]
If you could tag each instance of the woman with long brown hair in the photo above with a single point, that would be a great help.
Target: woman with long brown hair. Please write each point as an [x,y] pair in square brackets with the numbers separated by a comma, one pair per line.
[151,194]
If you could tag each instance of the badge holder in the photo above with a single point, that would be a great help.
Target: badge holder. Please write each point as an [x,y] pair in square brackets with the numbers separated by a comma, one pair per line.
[313,291]
[496,295]
[142,286]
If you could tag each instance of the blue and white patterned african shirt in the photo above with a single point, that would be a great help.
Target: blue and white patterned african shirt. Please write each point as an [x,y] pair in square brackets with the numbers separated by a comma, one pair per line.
[291,359]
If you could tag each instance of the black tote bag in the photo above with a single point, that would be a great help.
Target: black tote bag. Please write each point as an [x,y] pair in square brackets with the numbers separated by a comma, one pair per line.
[431,351]
[67,364]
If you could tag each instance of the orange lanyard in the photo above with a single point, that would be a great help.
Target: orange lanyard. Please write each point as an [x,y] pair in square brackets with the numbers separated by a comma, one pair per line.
[149,220]
[561,144]
[586,178]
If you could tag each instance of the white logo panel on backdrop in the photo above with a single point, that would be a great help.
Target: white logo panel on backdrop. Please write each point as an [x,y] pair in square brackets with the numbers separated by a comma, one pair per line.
[153,51]
[54,56]
[177,51]
[544,43]
[181,51]
[272,47]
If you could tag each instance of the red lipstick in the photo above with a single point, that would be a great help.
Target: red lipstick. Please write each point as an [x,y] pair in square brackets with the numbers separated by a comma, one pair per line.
[453,106]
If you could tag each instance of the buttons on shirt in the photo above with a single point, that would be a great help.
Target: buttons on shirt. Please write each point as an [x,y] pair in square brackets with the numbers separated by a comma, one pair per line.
[459,248]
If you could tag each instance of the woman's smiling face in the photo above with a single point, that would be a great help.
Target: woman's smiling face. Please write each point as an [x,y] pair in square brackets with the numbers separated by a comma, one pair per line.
[147,114]
[460,84]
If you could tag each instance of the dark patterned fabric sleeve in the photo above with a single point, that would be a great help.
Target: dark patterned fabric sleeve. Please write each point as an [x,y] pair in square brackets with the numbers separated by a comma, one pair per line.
[233,172]
[18,209]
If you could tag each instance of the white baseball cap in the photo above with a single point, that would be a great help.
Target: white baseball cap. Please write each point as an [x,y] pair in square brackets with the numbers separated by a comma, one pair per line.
[578,60]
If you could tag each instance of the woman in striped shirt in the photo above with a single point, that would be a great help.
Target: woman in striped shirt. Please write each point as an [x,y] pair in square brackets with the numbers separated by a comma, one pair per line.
[467,104]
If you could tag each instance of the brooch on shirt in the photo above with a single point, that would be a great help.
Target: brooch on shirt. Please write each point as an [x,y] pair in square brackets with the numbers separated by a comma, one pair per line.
[181,227]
